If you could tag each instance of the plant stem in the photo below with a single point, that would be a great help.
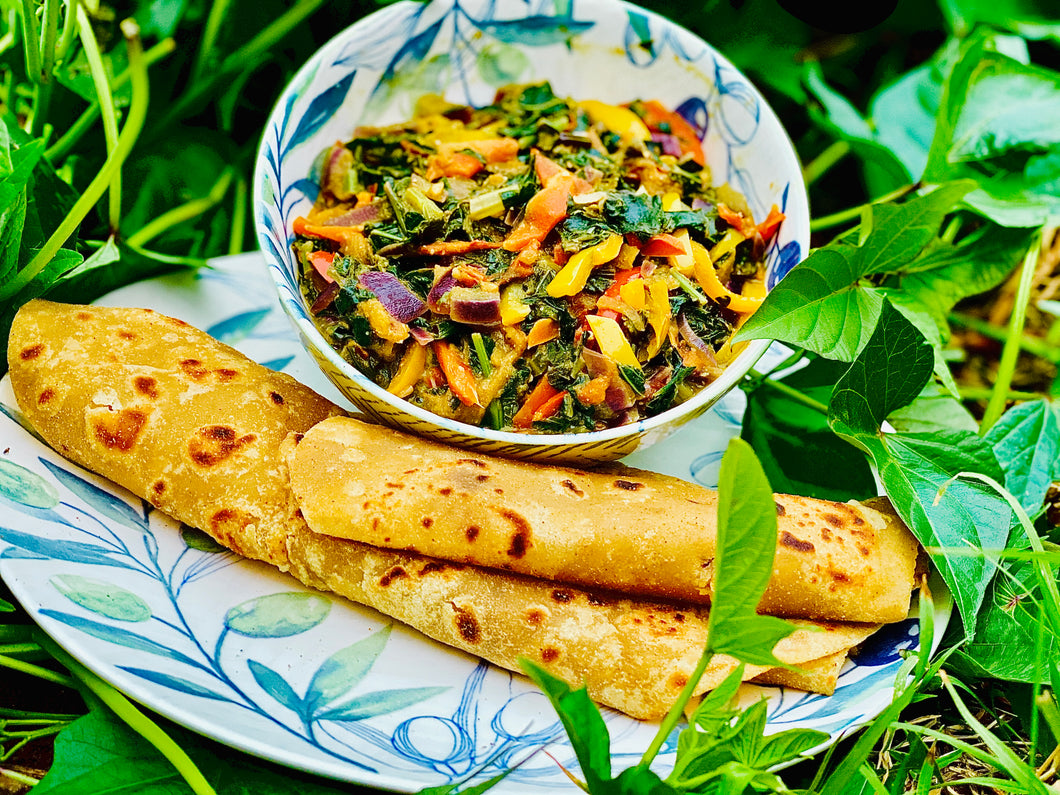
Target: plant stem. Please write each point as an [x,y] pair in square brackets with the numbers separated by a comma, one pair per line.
[59,149]
[1032,345]
[106,104]
[237,61]
[817,167]
[184,212]
[218,12]
[95,189]
[854,213]
[983,393]
[135,719]
[239,218]
[69,30]
[669,723]
[1010,352]
[790,392]
[21,778]
[31,39]
[35,670]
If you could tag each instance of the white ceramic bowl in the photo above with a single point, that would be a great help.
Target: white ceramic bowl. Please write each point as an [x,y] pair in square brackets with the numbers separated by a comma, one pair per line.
[373,72]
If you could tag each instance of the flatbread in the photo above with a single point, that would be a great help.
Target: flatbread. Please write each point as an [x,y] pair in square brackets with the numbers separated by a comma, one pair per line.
[166,411]
[204,434]
[620,529]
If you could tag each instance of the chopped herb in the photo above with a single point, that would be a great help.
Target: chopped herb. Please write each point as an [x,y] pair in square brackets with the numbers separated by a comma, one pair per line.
[633,376]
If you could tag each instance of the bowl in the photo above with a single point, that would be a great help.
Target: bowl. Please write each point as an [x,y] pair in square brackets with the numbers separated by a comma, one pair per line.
[374,71]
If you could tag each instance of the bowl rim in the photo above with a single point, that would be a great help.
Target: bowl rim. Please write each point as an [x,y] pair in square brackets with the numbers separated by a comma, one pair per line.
[732,374]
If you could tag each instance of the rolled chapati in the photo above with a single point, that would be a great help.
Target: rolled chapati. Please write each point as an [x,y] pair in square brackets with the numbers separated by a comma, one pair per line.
[166,411]
[205,434]
[620,529]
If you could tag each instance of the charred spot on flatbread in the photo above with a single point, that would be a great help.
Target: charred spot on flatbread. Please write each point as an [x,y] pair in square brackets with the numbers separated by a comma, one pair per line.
[276,398]
[628,485]
[45,396]
[572,487]
[391,574]
[212,444]
[194,369]
[549,654]
[466,624]
[795,543]
[520,539]
[471,532]
[31,352]
[562,595]
[145,385]
[228,525]
[118,430]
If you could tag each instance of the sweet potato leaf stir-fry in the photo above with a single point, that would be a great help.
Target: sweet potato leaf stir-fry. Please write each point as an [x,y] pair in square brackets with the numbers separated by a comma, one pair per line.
[539,264]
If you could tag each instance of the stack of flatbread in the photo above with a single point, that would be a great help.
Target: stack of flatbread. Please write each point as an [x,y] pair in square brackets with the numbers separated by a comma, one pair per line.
[603,577]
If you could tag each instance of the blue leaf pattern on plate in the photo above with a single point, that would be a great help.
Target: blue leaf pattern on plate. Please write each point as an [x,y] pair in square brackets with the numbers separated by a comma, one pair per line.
[277,687]
[97,499]
[122,636]
[320,110]
[177,683]
[72,551]
[238,327]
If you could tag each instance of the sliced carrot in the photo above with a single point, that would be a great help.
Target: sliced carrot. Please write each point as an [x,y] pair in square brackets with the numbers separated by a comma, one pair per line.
[340,234]
[539,396]
[467,158]
[321,262]
[458,373]
[657,116]
[542,331]
[443,247]
[545,209]
[737,220]
[622,278]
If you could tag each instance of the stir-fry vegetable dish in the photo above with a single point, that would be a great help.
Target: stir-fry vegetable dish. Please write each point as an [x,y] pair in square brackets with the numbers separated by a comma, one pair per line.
[539,265]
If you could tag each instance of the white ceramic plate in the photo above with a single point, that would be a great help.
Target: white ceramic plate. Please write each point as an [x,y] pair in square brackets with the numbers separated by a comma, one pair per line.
[241,653]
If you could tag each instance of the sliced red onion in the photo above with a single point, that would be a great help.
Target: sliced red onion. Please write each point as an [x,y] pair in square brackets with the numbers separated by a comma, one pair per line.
[597,364]
[474,307]
[339,161]
[327,295]
[402,304]
[619,395]
[701,204]
[443,283]
[670,144]
[358,216]
[421,335]
[694,339]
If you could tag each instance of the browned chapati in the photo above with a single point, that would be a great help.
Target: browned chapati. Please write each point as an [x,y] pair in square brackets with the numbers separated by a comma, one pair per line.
[620,529]
[203,433]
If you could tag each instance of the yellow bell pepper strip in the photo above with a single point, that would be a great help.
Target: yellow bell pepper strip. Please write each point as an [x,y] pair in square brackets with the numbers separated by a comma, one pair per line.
[657,117]
[321,262]
[632,292]
[544,330]
[659,314]
[729,241]
[512,308]
[542,398]
[572,277]
[413,363]
[458,373]
[614,118]
[622,277]
[612,341]
[708,279]
[384,325]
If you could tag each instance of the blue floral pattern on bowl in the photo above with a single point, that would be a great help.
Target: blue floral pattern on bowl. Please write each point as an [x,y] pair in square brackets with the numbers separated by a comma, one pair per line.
[237,651]
[373,72]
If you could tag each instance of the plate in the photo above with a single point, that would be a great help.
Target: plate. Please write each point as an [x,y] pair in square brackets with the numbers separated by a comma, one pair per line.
[239,652]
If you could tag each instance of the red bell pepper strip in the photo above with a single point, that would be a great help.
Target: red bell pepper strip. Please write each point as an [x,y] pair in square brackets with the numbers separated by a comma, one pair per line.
[321,262]
[768,227]
[663,245]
